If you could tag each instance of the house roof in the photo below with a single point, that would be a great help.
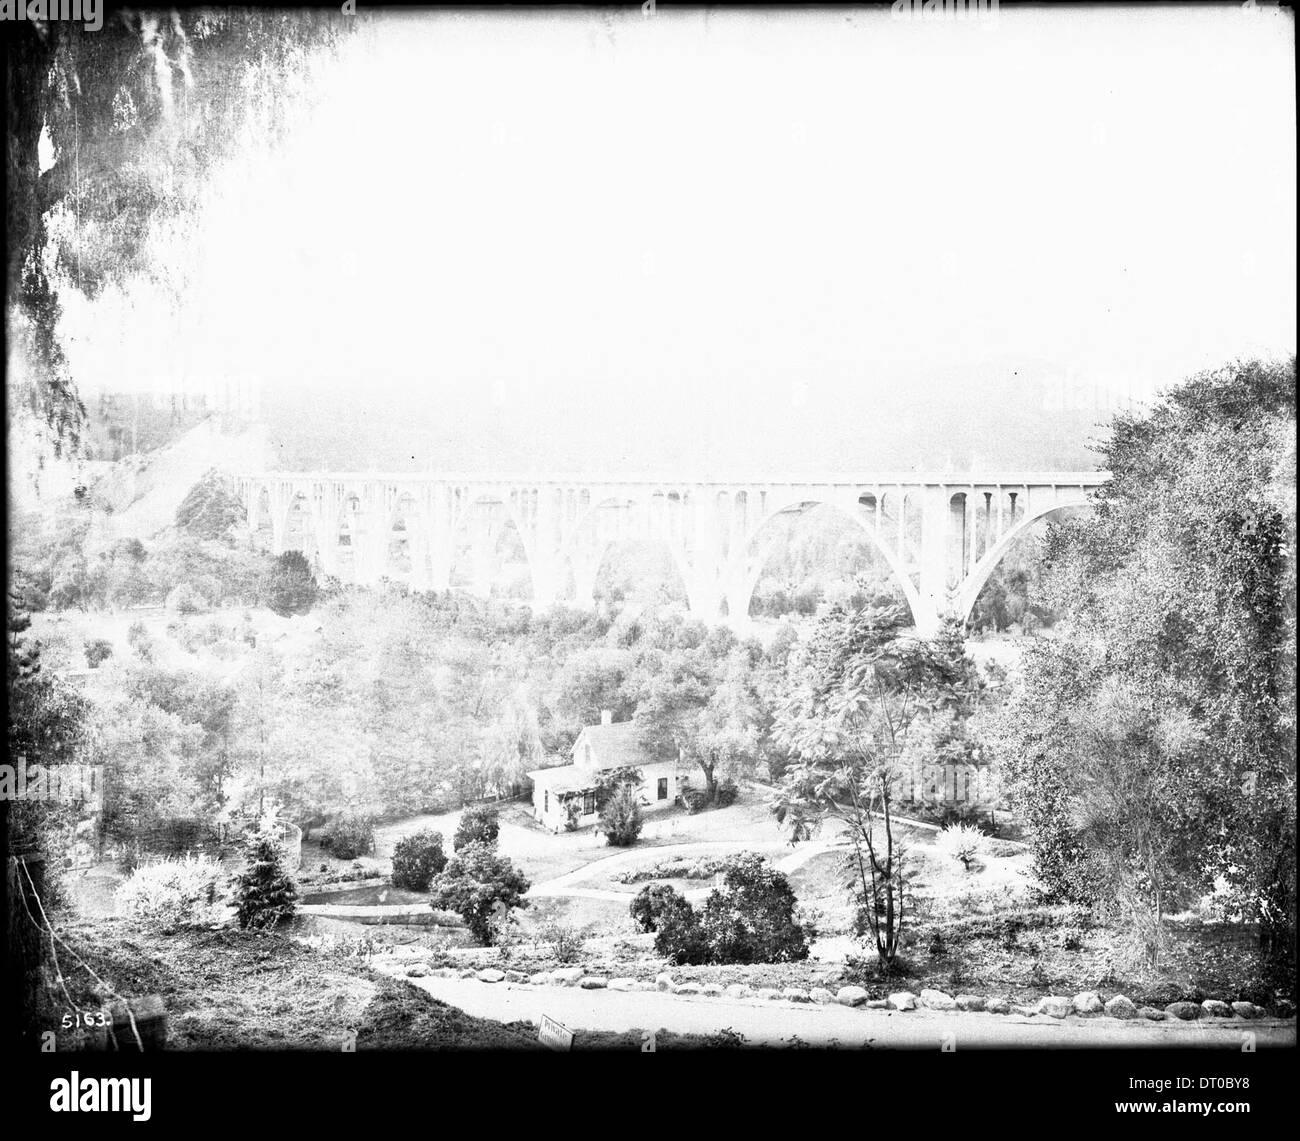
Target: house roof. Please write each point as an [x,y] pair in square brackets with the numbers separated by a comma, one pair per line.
[615,746]
[563,778]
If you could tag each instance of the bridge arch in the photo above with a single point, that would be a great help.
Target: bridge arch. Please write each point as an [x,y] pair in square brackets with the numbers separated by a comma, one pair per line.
[746,567]
[513,506]
[970,588]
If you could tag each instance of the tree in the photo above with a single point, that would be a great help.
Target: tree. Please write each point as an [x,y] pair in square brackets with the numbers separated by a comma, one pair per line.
[210,509]
[266,894]
[291,587]
[1187,577]
[618,800]
[417,859]
[751,918]
[478,884]
[863,683]
[479,824]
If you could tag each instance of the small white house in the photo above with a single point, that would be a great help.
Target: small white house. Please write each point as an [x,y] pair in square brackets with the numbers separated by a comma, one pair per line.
[597,749]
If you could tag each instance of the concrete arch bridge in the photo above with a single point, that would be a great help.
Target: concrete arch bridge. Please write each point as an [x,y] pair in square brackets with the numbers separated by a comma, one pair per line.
[941,536]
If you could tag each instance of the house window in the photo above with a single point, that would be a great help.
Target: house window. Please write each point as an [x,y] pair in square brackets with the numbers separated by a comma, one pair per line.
[663,788]
[588,802]
[546,800]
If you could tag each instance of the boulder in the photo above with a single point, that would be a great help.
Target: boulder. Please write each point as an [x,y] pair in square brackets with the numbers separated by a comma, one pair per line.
[1152,1013]
[767,993]
[568,976]
[1088,1002]
[851,996]
[664,981]
[1247,1010]
[1187,1011]
[738,990]
[687,988]
[820,995]
[490,975]
[969,1002]
[794,994]
[516,977]
[903,1000]
[1054,1006]
[998,1006]
[593,982]
[938,1000]
[1023,1011]
[466,973]
[416,971]
[1215,1008]
[712,990]
[876,1004]
[622,984]
[1121,1007]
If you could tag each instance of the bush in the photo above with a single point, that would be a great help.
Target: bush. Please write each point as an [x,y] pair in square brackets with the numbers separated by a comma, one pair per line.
[478,825]
[961,842]
[678,935]
[417,859]
[752,918]
[210,508]
[481,887]
[695,800]
[348,836]
[137,637]
[185,599]
[98,650]
[727,793]
[173,893]
[266,893]
[620,818]
[651,902]
[291,586]
[564,939]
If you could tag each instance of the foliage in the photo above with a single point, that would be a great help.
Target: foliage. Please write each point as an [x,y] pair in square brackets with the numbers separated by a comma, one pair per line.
[291,585]
[476,884]
[728,792]
[137,637]
[564,939]
[417,859]
[652,901]
[348,836]
[184,599]
[618,801]
[266,894]
[173,892]
[961,842]
[751,918]
[675,868]
[679,936]
[98,650]
[210,508]
[479,824]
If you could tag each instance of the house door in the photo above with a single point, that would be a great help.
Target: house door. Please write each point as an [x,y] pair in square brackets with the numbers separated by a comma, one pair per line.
[663,788]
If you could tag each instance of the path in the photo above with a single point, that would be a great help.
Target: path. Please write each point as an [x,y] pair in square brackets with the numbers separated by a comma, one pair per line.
[771,1022]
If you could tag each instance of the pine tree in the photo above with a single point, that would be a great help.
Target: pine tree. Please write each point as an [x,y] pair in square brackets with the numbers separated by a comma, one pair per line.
[267,893]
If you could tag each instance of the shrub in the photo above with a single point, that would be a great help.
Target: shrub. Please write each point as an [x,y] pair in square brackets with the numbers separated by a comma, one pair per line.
[620,818]
[210,508]
[650,902]
[695,800]
[348,836]
[962,842]
[266,893]
[478,825]
[564,939]
[751,919]
[727,793]
[417,859]
[291,586]
[137,637]
[173,892]
[185,599]
[481,887]
[98,650]
[678,934]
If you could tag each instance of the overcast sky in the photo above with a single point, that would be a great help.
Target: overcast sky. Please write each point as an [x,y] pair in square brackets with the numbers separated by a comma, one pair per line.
[773,204]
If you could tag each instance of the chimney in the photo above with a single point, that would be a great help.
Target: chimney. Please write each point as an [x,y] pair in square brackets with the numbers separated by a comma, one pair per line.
[606,717]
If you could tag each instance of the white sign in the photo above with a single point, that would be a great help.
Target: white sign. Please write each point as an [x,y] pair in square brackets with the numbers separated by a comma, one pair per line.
[554,1035]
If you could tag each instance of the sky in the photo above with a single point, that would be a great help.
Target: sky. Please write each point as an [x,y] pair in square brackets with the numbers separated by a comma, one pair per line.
[768,207]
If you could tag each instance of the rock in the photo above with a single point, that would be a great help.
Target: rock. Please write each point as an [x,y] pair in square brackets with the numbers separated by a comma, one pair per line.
[466,973]
[820,995]
[876,1004]
[1024,1011]
[445,973]
[937,1000]
[542,978]
[998,1006]
[593,982]
[664,981]
[1215,1008]
[1088,1002]
[1121,1007]
[490,975]
[687,988]
[1247,1010]
[416,972]
[568,976]
[642,985]
[794,994]
[851,996]
[903,1000]
[516,977]
[622,984]
[1187,1011]
[1154,1013]
[1054,1006]
[767,993]
[969,1002]
[738,990]
[712,990]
